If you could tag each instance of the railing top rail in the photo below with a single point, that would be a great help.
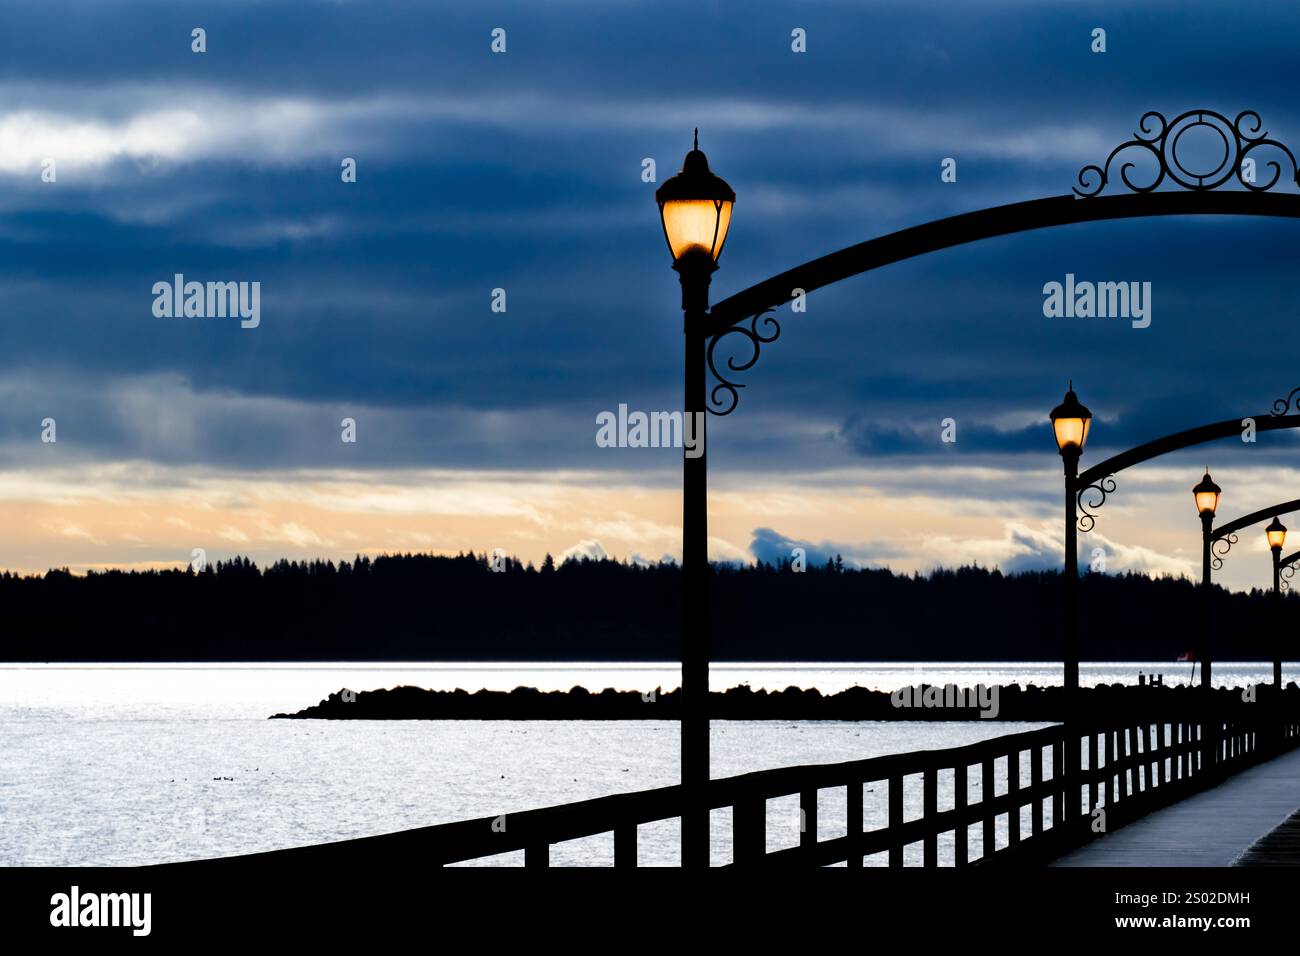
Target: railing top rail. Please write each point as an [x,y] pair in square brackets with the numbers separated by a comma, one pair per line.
[469,839]
[491,836]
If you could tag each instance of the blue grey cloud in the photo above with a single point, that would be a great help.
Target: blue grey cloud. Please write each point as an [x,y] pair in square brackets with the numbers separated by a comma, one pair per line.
[522,172]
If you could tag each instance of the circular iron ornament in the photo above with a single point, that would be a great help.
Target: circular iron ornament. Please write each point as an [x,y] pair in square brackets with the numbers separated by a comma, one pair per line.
[1219,548]
[1101,489]
[763,328]
[1288,572]
[1160,139]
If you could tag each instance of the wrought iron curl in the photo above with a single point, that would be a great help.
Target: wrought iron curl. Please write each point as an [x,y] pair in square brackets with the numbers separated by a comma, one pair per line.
[1283,405]
[1101,488]
[1288,572]
[763,328]
[1159,138]
[1219,549]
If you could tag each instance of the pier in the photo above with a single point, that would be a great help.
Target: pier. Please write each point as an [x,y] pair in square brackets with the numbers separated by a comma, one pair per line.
[1232,824]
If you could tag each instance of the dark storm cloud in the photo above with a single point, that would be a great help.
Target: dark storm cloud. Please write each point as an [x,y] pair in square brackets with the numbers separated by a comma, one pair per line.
[522,172]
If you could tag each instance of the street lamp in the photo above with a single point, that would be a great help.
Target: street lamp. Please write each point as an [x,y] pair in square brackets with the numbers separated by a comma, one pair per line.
[1206,494]
[695,210]
[1070,423]
[1276,533]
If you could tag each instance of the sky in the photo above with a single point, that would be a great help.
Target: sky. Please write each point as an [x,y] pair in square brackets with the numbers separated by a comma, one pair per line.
[522,171]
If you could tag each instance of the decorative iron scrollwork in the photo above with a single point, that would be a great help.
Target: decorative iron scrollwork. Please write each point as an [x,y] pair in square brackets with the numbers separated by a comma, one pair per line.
[1283,405]
[1159,138]
[1102,488]
[763,328]
[1219,549]
[1288,572]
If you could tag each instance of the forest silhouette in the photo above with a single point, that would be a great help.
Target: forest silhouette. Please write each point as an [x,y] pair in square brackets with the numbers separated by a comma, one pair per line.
[458,608]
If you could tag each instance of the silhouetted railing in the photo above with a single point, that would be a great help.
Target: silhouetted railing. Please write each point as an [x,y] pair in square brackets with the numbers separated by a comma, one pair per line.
[1118,773]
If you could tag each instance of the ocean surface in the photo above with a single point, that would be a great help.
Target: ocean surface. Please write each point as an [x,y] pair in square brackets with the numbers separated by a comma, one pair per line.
[119,764]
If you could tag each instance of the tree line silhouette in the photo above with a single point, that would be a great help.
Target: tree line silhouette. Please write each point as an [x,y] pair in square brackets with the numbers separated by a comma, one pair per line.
[468,607]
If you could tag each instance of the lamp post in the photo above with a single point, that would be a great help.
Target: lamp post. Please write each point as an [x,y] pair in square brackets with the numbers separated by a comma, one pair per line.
[1206,494]
[1070,423]
[695,209]
[1276,533]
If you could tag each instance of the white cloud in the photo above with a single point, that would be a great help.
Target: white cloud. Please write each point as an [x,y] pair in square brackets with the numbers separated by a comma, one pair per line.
[589,548]
[84,129]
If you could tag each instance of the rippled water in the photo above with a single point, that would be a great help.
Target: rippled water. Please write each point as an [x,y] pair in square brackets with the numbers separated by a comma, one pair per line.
[128,764]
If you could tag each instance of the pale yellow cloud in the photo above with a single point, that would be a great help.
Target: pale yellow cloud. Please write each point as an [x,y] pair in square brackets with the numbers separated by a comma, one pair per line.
[137,515]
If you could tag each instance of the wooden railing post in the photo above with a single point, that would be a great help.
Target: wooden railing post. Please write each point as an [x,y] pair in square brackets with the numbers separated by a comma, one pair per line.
[1135,768]
[1162,751]
[960,851]
[1036,778]
[1121,748]
[807,818]
[749,830]
[929,807]
[625,845]
[1092,770]
[1209,744]
[1109,740]
[1013,785]
[1143,745]
[1058,782]
[537,854]
[895,818]
[989,831]
[853,813]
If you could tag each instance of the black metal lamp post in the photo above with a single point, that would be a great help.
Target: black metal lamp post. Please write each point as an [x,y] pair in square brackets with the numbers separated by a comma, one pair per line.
[1070,423]
[1206,494]
[695,208]
[1276,539]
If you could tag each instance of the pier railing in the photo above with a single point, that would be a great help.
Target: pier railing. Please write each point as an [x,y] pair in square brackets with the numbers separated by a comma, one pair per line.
[1075,781]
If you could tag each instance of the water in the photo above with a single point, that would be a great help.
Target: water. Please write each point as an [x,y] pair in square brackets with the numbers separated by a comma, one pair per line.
[127,764]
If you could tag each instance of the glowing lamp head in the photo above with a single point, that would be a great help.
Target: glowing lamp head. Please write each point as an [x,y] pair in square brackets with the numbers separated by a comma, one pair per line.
[1276,534]
[1070,422]
[1207,494]
[695,207]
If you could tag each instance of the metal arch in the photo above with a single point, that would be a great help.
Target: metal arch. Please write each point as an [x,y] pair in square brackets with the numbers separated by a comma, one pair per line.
[1156,138]
[987,224]
[1225,536]
[1099,479]
[1255,517]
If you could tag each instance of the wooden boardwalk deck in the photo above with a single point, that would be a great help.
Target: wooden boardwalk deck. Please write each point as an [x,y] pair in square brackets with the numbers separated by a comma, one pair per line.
[1218,827]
